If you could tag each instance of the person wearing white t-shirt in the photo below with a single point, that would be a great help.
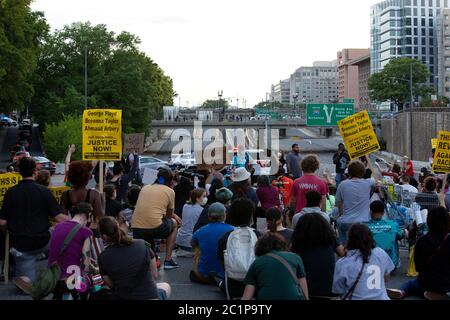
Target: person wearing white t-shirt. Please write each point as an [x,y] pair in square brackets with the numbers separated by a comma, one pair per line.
[406,186]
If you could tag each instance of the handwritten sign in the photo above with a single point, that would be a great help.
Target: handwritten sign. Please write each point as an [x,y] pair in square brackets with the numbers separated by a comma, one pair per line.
[7,181]
[134,143]
[358,134]
[441,162]
[102,134]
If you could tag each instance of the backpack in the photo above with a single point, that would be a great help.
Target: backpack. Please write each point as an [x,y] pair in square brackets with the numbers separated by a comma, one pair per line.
[48,277]
[239,253]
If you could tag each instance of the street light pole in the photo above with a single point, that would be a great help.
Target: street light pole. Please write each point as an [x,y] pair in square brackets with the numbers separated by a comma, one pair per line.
[410,86]
[85,77]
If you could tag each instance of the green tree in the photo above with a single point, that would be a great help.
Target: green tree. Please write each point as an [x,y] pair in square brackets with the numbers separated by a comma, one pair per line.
[21,34]
[392,83]
[58,136]
[120,76]
[213,104]
[269,105]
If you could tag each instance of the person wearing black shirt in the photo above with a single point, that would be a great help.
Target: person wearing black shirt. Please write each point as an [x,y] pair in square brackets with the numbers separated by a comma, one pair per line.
[26,210]
[121,180]
[112,206]
[341,160]
[432,260]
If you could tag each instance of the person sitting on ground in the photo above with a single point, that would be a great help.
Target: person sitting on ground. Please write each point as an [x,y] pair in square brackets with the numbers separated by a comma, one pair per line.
[132,197]
[216,184]
[43,178]
[27,208]
[407,187]
[308,182]
[394,172]
[121,180]
[214,178]
[432,260]
[222,195]
[112,206]
[313,200]
[331,199]
[241,186]
[353,198]
[275,274]
[275,224]
[315,242]
[205,242]
[428,198]
[128,266]
[351,274]
[267,194]
[240,216]
[153,216]
[191,213]
[76,252]
[386,233]
[182,192]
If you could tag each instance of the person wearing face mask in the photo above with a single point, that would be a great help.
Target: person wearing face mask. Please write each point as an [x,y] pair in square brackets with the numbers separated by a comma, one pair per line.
[191,213]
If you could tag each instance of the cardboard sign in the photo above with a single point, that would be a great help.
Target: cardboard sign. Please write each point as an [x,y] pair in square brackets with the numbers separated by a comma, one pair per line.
[134,142]
[358,134]
[441,161]
[150,176]
[102,134]
[7,181]
[57,192]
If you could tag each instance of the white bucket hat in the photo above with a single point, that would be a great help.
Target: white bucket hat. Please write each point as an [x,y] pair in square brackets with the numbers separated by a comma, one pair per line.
[241,174]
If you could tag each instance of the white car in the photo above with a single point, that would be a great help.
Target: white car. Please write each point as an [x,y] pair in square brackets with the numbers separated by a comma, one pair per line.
[151,162]
[185,159]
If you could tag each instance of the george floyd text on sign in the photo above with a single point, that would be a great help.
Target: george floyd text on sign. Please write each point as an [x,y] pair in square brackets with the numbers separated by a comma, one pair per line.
[102,134]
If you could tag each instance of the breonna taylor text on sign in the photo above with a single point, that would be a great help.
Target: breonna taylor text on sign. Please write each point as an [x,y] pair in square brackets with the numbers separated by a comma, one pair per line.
[441,162]
[358,134]
[102,134]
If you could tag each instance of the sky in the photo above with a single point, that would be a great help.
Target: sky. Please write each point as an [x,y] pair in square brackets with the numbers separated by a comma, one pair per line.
[240,47]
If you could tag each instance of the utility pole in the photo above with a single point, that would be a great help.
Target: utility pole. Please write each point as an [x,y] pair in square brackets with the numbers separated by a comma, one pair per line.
[85,77]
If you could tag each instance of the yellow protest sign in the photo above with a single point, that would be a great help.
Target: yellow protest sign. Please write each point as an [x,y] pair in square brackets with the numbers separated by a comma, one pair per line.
[102,134]
[434,143]
[57,192]
[441,161]
[7,181]
[358,134]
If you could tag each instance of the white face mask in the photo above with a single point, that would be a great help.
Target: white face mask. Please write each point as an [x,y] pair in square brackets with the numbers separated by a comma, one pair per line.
[205,200]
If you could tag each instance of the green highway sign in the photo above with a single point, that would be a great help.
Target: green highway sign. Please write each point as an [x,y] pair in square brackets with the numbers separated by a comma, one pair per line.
[349,100]
[327,115]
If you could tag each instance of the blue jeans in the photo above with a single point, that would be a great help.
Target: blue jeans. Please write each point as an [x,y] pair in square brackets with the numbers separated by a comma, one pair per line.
[26,262]
[339,178]
[343,232]
[413,288]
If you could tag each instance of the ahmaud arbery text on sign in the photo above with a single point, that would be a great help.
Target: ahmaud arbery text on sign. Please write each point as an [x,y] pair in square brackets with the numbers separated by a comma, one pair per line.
[102,134]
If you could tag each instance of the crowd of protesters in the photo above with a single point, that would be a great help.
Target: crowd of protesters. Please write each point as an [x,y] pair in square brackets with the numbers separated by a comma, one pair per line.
[321,238]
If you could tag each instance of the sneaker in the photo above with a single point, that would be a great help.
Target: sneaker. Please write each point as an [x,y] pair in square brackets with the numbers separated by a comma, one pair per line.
[23,285]
[215,279]
[169,265]
[395,294]
[429,295]
[184,254]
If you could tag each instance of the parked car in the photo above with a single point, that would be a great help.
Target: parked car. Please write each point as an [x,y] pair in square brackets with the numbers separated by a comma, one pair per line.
[186,160]
[14,150]
[151,163]
[43,163]
[6,121]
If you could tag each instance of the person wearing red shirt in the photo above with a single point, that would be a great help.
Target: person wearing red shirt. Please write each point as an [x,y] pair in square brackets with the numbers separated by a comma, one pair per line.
[309,181]
[408,167]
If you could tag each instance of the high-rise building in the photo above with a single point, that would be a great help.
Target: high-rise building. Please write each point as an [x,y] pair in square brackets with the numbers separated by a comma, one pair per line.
[406,28]
[348,81]
[363,64]
[280,92]
[444,53]
[315,84]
